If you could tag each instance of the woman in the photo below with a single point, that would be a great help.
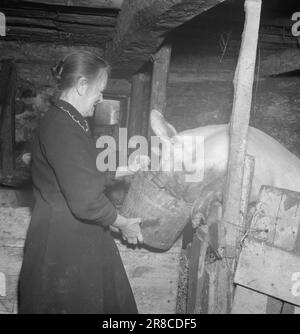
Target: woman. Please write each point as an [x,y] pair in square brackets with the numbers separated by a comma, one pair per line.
[71,263]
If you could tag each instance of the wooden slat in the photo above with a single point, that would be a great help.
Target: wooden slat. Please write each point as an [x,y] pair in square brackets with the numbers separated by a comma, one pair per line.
[153,277]
[13,226]
[139,104]
[247,301]
[268,270]
[42,35]
[98,19]
[73,27]
[246,191]
[10,265]
[276,222]
[196,275]
[279,218]
[116,4]
[219,288]
[7,129]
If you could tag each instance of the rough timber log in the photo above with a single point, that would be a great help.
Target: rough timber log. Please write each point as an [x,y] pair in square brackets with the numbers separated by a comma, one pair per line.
[59,37]
[105,19]
[116,4]
[82,25]
[142,27]
[72,27]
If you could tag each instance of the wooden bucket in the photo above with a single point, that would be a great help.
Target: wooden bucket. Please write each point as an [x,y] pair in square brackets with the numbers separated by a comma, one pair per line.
[163,216]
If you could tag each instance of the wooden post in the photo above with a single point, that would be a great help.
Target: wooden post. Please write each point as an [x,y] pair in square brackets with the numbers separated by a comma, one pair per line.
[161,66]
[239,123]
[243,84]
[197,273]
[8,79]
[139,105]
[246,191]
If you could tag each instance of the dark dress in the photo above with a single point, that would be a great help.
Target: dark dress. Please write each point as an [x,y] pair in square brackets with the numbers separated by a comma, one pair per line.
[71,263]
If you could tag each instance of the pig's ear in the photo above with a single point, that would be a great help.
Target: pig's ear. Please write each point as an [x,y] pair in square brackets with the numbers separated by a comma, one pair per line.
[160,126]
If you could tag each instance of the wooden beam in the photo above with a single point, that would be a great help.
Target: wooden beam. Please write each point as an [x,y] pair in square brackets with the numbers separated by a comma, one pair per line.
[115,4]
[7,100]
[161,65]
[27,34]
[160,74]
[238,140]
[139,105]
[88,32]
[240,123]
[197,275]
[142,27]
[18,17]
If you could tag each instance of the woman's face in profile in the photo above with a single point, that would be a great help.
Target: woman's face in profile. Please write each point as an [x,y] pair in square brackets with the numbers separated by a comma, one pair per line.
[94,94]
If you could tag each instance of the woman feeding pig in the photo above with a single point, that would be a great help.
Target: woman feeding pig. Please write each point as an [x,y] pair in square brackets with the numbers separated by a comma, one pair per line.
[71,263]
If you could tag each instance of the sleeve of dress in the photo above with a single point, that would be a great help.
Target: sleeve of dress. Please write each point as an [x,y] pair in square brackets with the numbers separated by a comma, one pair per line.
[79,180]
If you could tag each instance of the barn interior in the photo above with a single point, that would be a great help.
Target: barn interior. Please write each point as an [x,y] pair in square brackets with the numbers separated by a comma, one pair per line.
[204,40]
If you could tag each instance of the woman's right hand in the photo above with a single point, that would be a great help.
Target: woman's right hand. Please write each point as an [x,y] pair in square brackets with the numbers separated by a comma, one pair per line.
[130,229]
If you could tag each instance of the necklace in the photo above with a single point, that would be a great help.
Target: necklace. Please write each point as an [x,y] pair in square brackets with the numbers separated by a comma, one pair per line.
[84,127]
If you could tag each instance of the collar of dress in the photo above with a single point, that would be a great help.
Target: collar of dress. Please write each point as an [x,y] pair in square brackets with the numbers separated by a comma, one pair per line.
[73,113]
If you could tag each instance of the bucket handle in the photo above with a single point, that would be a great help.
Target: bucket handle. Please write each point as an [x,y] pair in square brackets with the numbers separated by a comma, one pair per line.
[157,181]
[161,185]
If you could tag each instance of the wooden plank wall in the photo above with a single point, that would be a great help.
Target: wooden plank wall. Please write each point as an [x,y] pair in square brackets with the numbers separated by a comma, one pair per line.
[277,223]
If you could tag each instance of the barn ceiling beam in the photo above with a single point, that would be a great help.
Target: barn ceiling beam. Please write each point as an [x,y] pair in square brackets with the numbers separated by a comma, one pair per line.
[99,20]
[111,4]
[142,27]
[29,34]
[29,24]
[56,26]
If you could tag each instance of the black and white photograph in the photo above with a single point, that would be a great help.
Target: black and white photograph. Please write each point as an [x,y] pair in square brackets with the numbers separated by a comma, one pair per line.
[149,159]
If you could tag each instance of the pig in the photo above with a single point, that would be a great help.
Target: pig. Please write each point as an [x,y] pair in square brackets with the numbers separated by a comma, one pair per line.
[274,164]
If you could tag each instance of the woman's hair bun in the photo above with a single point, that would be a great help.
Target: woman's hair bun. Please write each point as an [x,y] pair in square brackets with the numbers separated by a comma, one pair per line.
[57,70]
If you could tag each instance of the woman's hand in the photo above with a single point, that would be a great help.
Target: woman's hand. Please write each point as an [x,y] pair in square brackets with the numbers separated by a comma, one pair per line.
[130,229]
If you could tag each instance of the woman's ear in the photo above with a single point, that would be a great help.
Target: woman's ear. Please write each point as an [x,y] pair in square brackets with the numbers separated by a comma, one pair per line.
[81,86]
